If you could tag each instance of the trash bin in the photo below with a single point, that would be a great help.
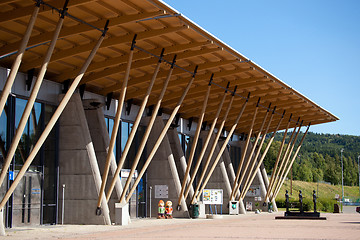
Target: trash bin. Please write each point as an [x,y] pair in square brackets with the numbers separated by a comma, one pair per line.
[233,208]
[195,210]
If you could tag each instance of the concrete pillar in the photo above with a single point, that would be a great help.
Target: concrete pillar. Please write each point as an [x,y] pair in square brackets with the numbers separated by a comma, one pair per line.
[79,169]
[2,225]
[266,181]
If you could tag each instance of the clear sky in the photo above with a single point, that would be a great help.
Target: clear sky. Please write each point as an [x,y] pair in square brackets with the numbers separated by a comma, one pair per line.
[311,45]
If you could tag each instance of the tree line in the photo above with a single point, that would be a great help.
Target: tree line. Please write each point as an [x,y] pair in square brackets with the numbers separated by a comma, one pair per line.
[320,158]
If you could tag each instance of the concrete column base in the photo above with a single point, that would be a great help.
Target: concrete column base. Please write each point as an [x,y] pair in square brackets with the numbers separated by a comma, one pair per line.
[121,214]
[242,207]
[2,226]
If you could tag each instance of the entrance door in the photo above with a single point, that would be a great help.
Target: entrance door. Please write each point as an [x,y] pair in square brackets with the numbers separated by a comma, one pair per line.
[27,200]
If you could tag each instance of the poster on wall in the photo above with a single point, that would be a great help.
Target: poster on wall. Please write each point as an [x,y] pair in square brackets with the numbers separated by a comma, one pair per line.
[213,196]
[254,191]
[248,206]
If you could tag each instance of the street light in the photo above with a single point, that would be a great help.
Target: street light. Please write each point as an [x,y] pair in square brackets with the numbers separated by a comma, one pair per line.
[342,174]
[359,172]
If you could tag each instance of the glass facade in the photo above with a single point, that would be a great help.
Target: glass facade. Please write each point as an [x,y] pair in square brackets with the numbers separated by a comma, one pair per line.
[35,199]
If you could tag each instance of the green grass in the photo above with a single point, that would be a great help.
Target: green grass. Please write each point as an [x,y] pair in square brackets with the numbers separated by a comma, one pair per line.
[325,194]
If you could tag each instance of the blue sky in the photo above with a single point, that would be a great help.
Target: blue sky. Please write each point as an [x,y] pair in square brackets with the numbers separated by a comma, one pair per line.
[311,45]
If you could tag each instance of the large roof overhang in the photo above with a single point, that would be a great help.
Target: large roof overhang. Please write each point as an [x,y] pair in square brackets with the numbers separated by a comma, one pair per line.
[157,26]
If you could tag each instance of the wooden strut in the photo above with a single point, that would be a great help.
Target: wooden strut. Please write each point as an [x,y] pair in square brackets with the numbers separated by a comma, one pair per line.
[138,156]
[287,159]
[195,141]
[33,95]
[293,159]
[261,161]
[253,151]
[246,182]
[213,147]
[202,153]
[283,159]
[15,67]
[235,186]
[53,120]
[273,175]
[161,137]
[223,147]
[116,125]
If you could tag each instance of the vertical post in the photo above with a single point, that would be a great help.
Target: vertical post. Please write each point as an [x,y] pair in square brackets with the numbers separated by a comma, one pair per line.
[273,175]
[222,149]
[138,155]
[342,174]
[236,184]
[207,162]
[202,153]
[150,201]
[116,125]
[15,67]
[359,172]
[162,135]
[194,144]
[53,120]
[63,205]
[31,101]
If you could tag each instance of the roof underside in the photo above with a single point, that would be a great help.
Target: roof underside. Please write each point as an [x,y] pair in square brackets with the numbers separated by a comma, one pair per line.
[157,26]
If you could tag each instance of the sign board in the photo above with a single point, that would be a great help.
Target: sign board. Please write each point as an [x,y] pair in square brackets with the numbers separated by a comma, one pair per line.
[213,196]
[126,172]
[257,199]
[161,191]
[248,206]
[11,175]
[254,191]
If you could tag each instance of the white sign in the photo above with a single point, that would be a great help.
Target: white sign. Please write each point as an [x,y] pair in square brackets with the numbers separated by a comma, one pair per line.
[126,172]
[254,191]
[213,196]
[248,206]
[161,191]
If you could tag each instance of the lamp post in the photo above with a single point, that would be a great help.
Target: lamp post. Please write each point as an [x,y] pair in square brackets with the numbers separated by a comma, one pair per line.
[342,175]
[359,172]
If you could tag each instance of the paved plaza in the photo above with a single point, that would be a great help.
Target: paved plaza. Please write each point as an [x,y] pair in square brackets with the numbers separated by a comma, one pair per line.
[249,226]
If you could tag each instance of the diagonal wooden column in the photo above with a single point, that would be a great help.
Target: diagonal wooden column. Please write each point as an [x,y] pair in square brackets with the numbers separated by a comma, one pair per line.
[148,130]
[235,186]
[33,95]
[195,141]
[161,137]
[246,182]
[222,149]
[243,194]
[202,153]
[292,161]
[287,159]
[116,125]
[273,175]
[15,67]
[283,159]
[53,120]
[213,147]
[250,158]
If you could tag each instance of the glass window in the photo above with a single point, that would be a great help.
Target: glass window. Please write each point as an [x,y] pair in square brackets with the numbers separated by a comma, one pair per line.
[3,135]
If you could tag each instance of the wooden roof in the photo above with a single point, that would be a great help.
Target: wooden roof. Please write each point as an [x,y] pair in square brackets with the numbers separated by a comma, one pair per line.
[157,26]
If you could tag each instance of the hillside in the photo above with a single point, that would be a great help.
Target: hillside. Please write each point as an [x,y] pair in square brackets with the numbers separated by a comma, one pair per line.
[319,158]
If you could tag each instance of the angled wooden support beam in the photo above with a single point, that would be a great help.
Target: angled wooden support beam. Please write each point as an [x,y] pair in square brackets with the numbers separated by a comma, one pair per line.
[276,171]
[161,137]
[15,67]
[52,121]
[246,182]
[292,161]
[213,147]
[235,186]
[286,165]
[116,125]
[194,144]
[33,95]
[222,149]
[202,153]
[136,124]
[260,161]
[250,157]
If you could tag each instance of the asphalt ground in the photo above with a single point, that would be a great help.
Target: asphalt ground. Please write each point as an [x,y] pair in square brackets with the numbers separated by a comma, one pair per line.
[345,225]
